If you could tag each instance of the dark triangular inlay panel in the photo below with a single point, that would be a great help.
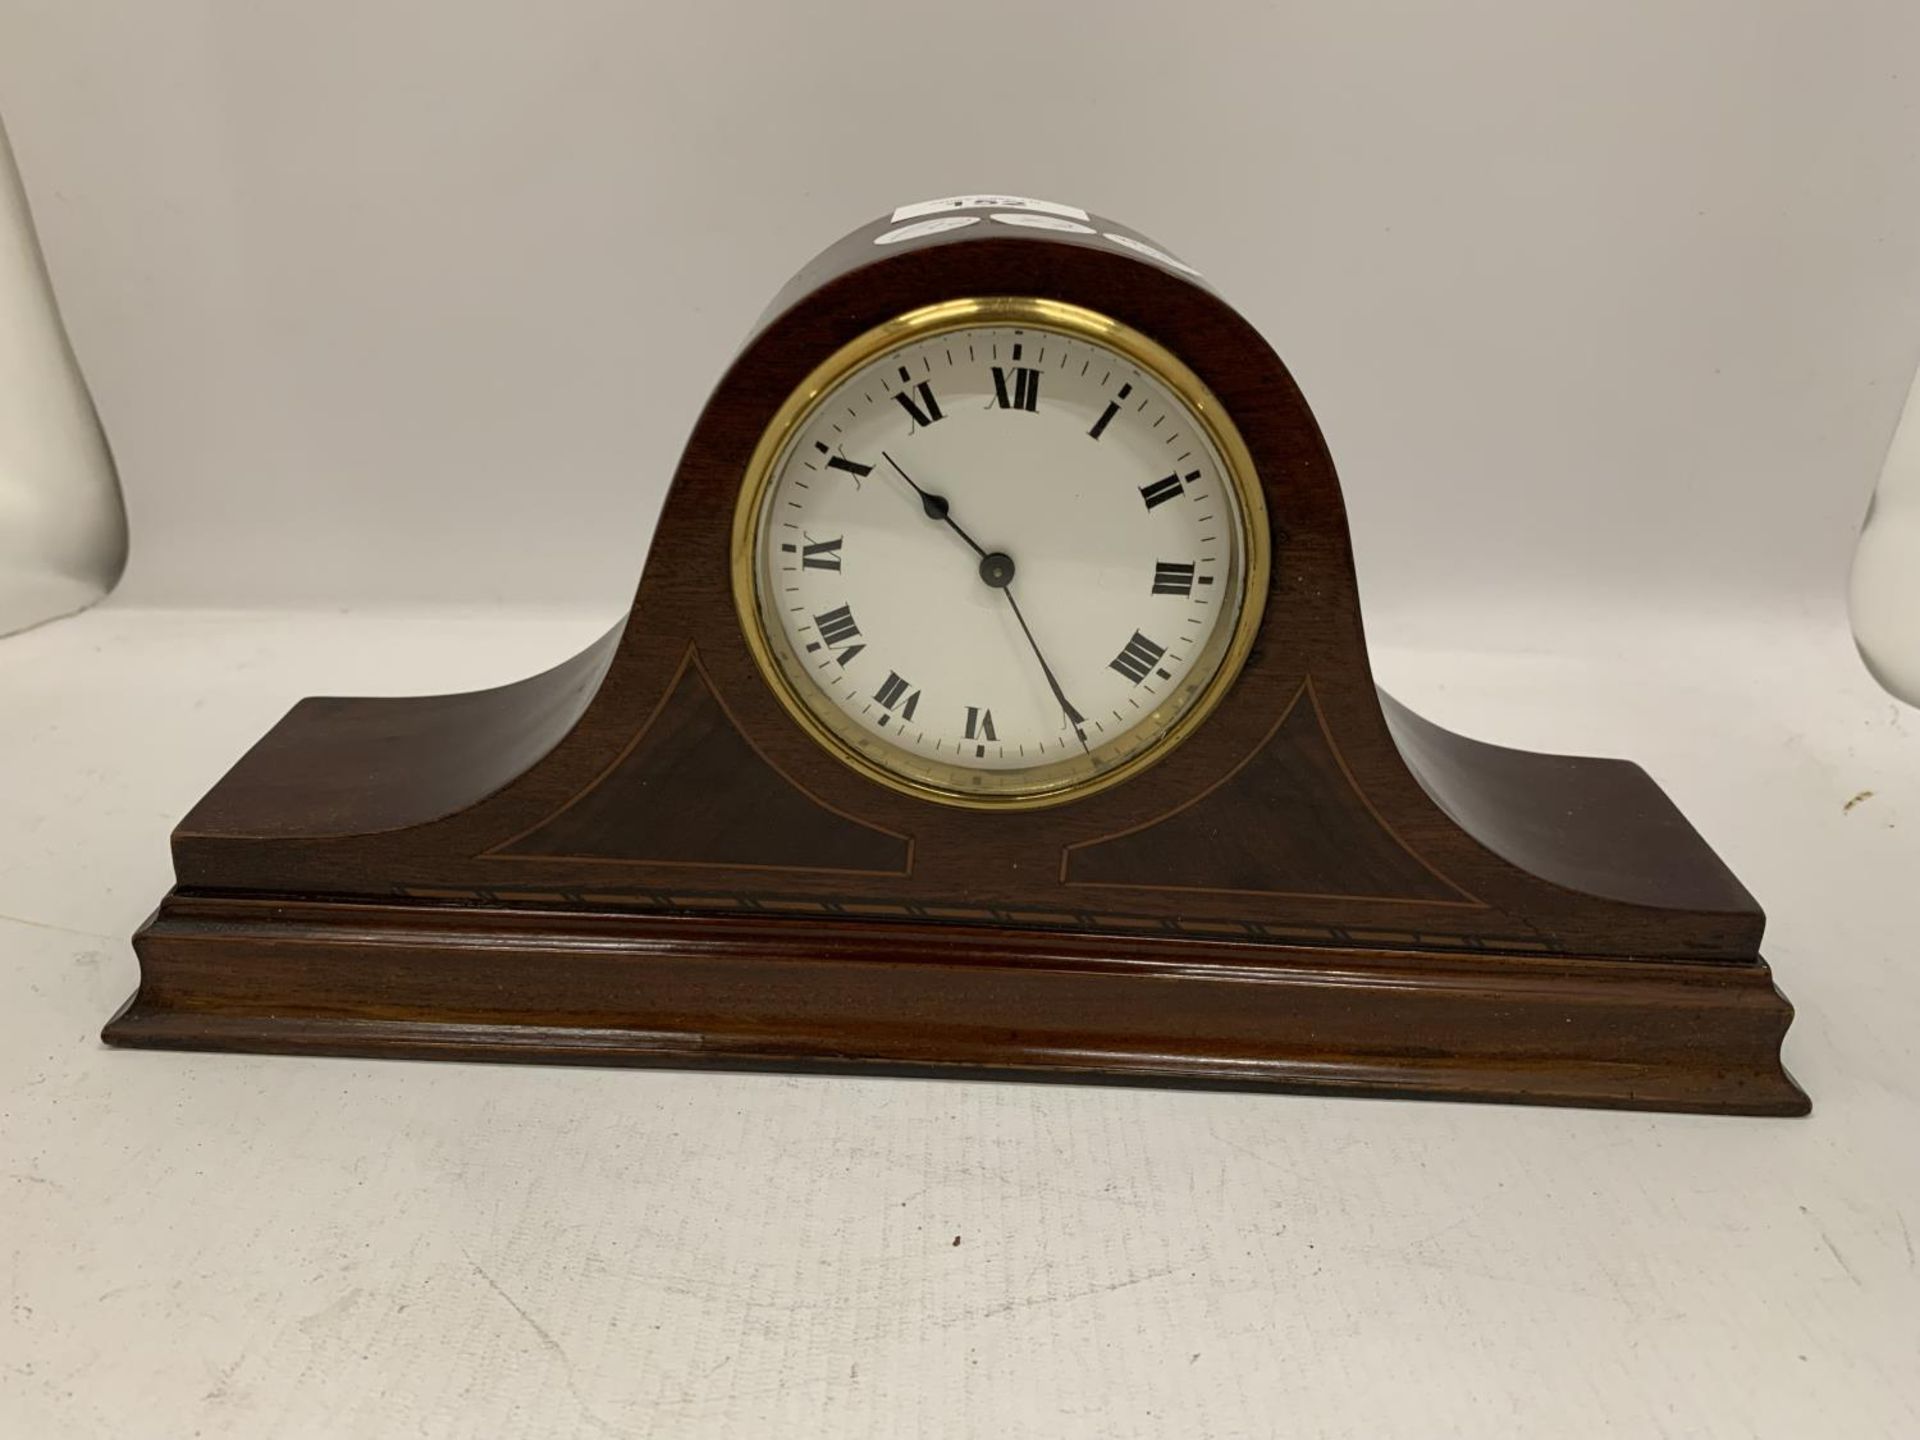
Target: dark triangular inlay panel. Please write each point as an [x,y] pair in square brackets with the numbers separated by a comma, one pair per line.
[1289,821]
[690,790]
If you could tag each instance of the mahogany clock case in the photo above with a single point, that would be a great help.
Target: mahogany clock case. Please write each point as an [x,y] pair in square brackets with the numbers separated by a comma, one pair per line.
[639,858]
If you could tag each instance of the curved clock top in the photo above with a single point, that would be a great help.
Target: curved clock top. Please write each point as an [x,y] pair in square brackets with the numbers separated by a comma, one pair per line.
[697,761]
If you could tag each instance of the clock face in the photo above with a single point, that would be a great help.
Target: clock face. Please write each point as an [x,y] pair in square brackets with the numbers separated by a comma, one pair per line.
[1000,552]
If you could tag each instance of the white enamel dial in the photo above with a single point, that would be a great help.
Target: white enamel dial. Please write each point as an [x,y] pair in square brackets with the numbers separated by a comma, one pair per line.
[1002,561]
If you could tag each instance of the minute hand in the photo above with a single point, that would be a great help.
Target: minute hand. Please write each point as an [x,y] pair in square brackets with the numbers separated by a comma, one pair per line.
[1074,717]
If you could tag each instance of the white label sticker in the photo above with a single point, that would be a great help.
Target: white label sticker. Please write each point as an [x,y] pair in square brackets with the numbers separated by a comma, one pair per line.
[985,202]
[1044,222]
[1140,247]
[925,227]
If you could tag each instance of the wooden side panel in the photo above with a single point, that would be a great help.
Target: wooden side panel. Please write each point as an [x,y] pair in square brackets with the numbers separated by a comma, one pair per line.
[1600,827]
[1315,835]
[690,790]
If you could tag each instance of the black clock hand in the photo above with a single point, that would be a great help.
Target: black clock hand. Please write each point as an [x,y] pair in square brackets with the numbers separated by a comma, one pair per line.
[1074,717]
[996,568]
[935,505]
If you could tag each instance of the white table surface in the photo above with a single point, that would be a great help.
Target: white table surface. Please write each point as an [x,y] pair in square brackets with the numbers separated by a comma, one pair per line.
[215,1245]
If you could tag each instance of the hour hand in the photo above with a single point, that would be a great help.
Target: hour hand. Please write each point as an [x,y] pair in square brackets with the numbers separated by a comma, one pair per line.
[935,506]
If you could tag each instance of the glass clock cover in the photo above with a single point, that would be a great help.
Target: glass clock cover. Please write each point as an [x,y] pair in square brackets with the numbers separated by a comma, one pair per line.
[1000,552]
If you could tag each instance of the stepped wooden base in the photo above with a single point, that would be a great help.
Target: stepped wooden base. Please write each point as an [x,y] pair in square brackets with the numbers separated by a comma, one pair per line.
[456,982]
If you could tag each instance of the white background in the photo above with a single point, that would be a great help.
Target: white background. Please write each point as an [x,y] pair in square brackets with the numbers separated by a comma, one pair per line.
[1607,309]
[418,300]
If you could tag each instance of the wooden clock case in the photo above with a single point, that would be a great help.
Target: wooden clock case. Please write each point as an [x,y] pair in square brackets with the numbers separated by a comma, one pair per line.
[638,857]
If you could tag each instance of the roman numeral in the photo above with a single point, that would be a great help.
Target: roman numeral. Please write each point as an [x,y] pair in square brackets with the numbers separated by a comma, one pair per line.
[840,462]
[1138,659]
[1161,491]
[1169,578]
[1113,409]
[1026,388]
[836,627]
[889,693]
[825,555]
[980,727]
[928,410]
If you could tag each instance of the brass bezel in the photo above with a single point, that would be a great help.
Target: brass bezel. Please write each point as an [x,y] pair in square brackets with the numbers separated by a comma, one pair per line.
[925,323]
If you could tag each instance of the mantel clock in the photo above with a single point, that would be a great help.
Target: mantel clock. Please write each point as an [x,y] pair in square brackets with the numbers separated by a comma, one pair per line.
[994,700]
